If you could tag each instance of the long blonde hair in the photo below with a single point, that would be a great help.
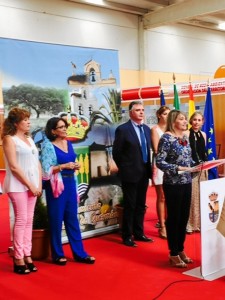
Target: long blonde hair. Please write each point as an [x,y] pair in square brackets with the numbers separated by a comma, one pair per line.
[172,116]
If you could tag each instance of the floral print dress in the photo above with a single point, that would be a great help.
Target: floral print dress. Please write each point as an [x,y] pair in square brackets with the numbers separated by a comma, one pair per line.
[174,152]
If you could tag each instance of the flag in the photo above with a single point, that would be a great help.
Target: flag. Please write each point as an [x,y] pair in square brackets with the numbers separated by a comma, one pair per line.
[208,128]
[162,99]
[191,108]
[176,102]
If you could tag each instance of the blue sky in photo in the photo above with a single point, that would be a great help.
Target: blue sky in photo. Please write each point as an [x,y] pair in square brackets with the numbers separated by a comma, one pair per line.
[49,65]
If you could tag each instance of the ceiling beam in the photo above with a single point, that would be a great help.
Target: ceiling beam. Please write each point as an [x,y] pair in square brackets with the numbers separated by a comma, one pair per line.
[159,2]
[114,6]
[181,11]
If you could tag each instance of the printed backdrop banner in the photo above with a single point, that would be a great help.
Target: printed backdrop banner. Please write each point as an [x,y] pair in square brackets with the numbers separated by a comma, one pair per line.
[81,85]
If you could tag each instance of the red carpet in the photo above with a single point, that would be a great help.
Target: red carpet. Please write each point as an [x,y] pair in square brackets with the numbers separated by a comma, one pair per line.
[120,272]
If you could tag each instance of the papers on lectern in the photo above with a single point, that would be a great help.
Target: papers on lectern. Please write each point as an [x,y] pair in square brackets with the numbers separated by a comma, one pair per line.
[205,166]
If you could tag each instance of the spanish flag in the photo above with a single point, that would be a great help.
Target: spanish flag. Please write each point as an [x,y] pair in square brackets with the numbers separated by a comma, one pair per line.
[191,108]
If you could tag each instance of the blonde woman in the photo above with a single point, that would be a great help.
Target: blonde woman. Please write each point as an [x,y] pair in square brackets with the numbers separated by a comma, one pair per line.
[197,140]
[173,157]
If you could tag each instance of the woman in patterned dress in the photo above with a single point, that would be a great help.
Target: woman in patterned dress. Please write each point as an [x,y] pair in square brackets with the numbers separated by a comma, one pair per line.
[174,159]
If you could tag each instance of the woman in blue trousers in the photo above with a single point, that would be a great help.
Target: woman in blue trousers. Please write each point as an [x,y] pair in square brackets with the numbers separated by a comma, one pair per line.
[58,164]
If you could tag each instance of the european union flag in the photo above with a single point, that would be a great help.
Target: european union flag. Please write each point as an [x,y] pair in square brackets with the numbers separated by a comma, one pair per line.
[162,99]
[208,128]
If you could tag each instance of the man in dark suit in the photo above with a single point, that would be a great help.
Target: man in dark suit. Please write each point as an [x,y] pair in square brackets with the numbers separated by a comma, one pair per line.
[131,152]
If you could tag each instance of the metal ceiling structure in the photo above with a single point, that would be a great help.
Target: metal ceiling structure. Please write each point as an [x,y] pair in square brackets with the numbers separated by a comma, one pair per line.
[199,13]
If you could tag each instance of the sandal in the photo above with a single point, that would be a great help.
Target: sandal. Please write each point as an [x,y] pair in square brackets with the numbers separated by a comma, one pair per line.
[20,269]
[61,261]
[177,262]
[185,258]
[86,260]
[30,265]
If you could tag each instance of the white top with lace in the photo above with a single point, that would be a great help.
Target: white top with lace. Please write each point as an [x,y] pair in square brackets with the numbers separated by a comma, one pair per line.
[27,158]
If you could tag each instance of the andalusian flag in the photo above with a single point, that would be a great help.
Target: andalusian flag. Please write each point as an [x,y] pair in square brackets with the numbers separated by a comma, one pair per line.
[208,128]
[176,101]
[191,108]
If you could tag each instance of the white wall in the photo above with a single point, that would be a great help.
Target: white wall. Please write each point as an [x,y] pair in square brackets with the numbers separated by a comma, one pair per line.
[185,49]
[181,49]
[68,23]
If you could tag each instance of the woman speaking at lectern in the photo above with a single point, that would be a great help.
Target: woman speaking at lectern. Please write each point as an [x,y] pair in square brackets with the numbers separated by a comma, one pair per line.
[174,156]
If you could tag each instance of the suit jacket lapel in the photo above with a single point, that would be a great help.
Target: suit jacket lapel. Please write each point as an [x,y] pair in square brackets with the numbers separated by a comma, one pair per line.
[133,132]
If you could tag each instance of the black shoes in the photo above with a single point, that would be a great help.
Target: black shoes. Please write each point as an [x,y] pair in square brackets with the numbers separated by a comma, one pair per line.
[86,260]
[143,238]
[30,265]
[129,242]
[61,261]
[21,269]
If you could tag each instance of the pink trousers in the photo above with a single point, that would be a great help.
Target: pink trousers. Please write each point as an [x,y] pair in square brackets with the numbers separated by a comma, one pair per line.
[23,206]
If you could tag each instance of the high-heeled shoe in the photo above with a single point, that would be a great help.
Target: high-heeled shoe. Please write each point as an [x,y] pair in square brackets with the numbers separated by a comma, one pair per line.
[177,262]
[86,260]
[30,265]
[162,232]
[20,269]
[185,258]
[61,261]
